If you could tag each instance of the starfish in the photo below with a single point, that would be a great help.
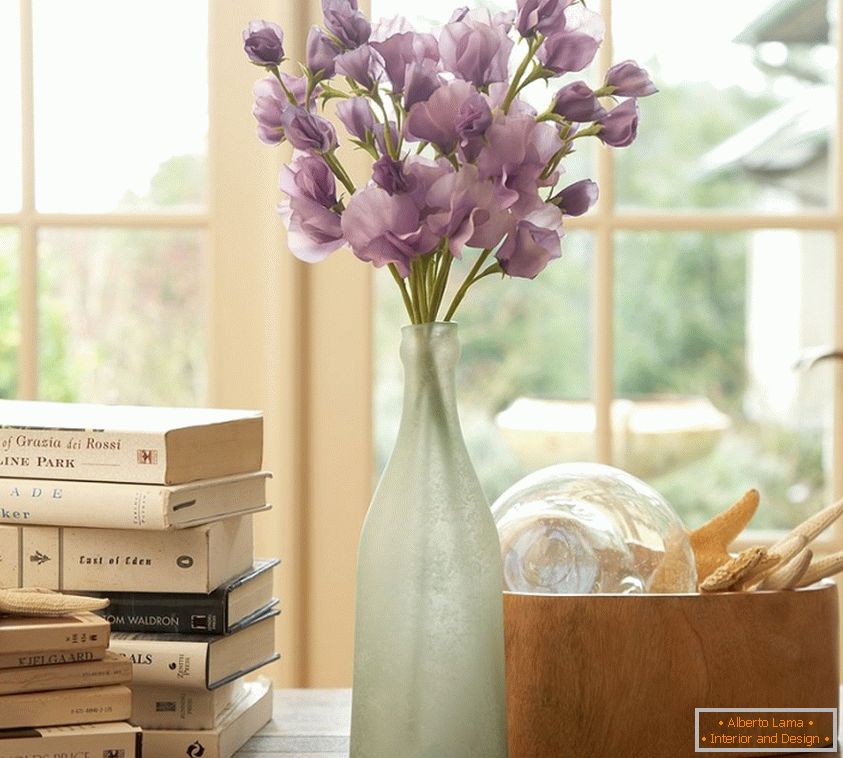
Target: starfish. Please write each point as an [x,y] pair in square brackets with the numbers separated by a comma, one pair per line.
[35,601]
[711,541]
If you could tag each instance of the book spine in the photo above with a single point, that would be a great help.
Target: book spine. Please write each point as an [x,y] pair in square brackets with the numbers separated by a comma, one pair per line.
[76,633]
[203,614]
[173,708]
[157,663]
[80,559]
[120,740]
[97,455]
[79,706]
[84,504]
[50,657]
[110,670]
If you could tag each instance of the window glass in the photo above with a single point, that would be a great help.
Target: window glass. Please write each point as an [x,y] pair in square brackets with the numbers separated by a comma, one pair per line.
[10,129]
[121,112]
[746,110]
[121,316]
[9,318]
[717,392]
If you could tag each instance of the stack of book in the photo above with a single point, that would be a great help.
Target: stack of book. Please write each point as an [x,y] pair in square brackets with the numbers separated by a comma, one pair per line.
[61,691]
[152,508]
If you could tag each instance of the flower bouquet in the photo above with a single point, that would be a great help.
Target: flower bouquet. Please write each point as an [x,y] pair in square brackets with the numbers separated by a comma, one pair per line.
[462,166]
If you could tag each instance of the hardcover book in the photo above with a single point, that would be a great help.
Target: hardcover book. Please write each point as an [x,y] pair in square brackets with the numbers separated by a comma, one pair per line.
[234,730]
[110,505]
[197,661]
[60,707]
[113,443]
[109,740]
[50,657]
[177,708]
[197,559]
[81,631]
[112,669]
[231,606]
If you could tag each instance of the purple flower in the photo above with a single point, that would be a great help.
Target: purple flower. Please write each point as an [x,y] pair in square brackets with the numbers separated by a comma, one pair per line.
[620,125]
[532,244]
[577,102]
[263,42]
[576,198]
[313,226]
[346,22]
[357,117]
[362,64]
[321,52]
[628,79]
[401,50]
[421,80]
[435,120]
[389,174]
[475,47]
[567,51]
[545,16]
[515,155]
[270,104]
[463,208]
[307,131]
[474,117]
[380,136]
[383,228]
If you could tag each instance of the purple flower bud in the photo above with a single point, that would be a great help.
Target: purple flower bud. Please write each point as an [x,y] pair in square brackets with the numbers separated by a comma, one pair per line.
[346,22]
[362,64]
[421,80]
[628,79]
[263,42]
[390,175]
[576,102]
[620,125]
[532,244]
[401,50]
[321,52]
[475,47]
[357,117]
[383,228]
[566,51]
[435,120]
[270,104]
[307,131]
[314,227]
[576,198]
[545,16]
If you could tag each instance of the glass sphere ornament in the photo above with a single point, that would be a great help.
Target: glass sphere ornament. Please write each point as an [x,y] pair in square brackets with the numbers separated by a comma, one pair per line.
[580,528]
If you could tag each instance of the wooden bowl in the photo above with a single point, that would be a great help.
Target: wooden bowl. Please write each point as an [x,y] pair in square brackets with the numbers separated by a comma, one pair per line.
[619,676]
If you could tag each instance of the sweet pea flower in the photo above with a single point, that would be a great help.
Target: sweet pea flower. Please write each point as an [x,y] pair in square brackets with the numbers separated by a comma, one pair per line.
[401,50]
[474,46]
[544,16]
[380,136]
[270,104]
[421,80]
[474,117]
[620,125]
[307,131]
[533,242]
[320,53]
[383,228]
[576,198]
[628,79]
[573,46]
[577,102]
[346,22]
[390,175]
[436,119]
[313,226]
[263,42]
[363,65]
[357,117]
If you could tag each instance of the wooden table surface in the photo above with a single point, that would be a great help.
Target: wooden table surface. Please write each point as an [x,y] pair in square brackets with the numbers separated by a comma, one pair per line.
[315,724]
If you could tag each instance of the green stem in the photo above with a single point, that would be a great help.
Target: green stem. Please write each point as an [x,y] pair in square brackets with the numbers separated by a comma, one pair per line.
[442,279]
[387,132]
[467,282]
[408,304]
[290,96]
[337,168]
[532,46]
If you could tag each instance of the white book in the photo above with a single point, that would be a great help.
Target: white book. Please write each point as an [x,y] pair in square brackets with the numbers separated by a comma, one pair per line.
[94,740]
[182,708]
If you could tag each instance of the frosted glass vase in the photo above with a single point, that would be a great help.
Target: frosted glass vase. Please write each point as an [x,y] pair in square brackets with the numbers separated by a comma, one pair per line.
[429,654]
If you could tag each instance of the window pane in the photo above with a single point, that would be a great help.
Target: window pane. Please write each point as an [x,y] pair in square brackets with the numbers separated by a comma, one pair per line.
[746,109]
[10,134]
[713,335]
[121,316]
[120,104]
[9,320]
[525,362]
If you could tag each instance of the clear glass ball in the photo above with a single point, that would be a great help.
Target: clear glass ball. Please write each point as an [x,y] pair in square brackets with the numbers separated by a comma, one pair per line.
[580,528]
